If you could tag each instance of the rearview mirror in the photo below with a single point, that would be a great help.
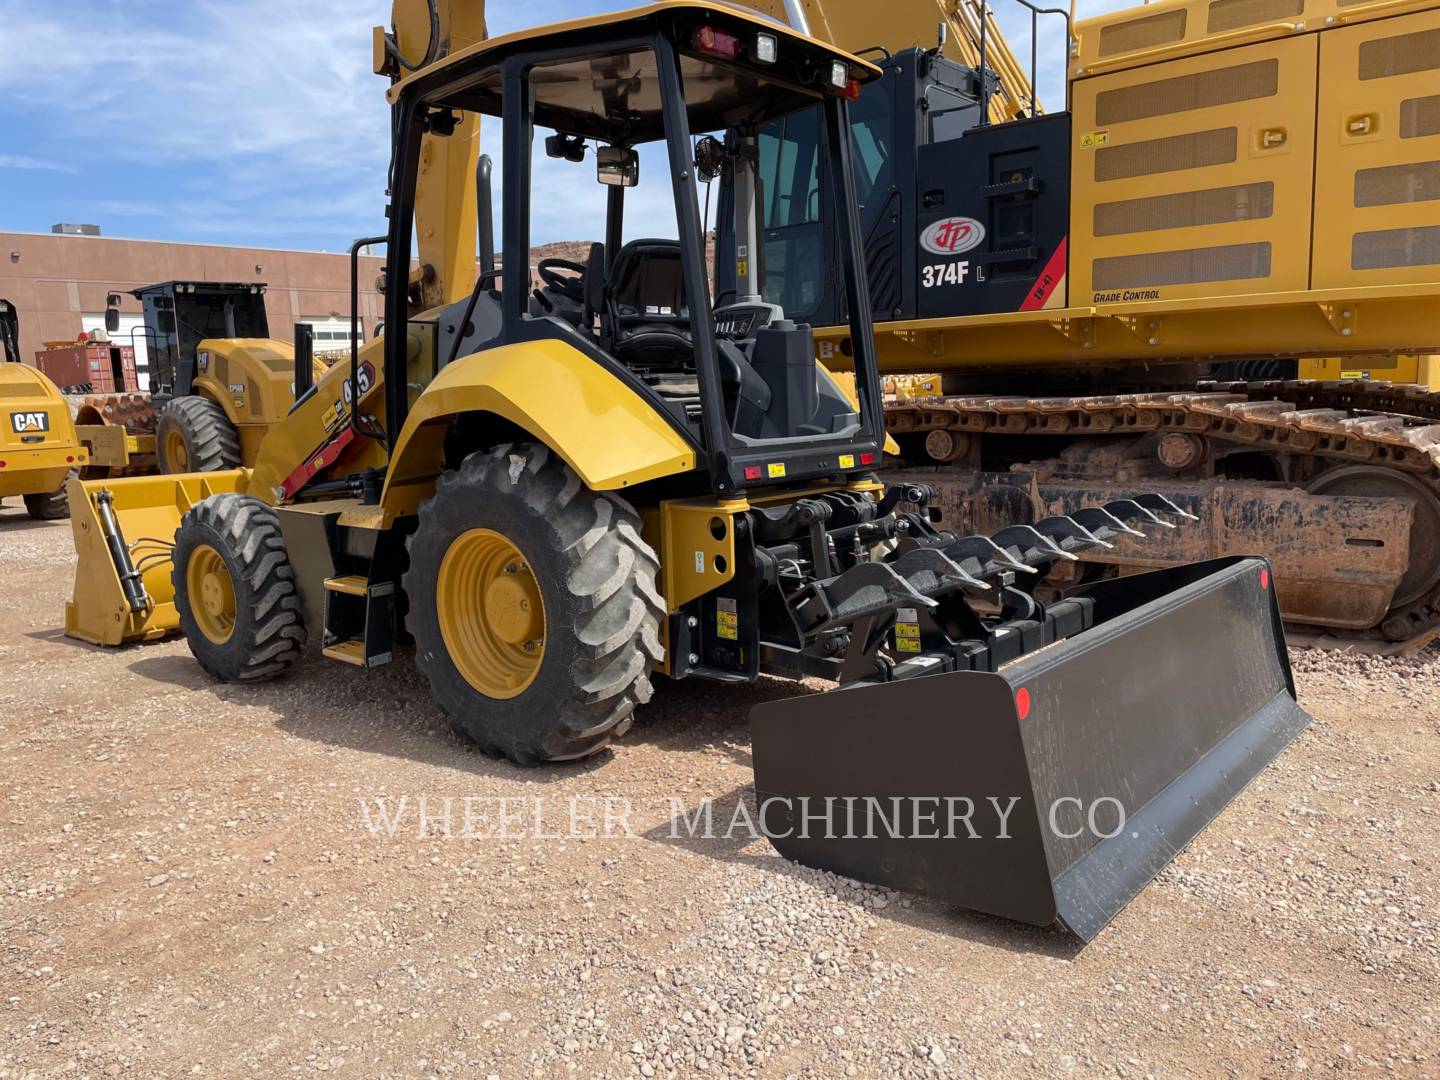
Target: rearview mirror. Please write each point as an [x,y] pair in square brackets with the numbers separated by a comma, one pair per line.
[112,313]
[617,166]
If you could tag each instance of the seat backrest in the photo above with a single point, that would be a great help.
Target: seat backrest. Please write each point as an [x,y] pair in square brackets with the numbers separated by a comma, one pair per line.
[646,280]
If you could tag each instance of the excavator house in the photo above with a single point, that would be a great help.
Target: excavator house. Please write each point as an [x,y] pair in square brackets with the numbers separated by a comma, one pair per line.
[554,497]
[1122,293]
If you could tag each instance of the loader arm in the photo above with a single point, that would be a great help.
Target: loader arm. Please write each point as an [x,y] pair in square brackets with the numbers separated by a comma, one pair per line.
[422,32]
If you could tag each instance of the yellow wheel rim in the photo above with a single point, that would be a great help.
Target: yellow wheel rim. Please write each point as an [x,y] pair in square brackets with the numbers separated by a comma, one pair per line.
[212,594]
[492,616]
[177,454]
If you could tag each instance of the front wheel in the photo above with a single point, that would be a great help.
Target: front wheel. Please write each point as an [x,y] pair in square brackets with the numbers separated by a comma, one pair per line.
[533,606]
[193,434]
[235,591]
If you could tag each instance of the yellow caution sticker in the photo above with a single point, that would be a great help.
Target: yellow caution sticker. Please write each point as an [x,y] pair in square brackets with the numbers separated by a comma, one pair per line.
[907,630]
[775,470]
[847,461]
[1354,374]
[727,619]
[1092,139]
[742,267]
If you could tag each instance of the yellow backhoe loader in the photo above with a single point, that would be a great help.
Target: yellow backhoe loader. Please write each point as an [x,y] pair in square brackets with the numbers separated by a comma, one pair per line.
[38,445]
[552,496]
[1207,274]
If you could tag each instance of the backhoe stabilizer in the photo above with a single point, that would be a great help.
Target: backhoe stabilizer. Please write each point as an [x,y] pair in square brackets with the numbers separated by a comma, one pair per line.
[123,531]
[1054,789]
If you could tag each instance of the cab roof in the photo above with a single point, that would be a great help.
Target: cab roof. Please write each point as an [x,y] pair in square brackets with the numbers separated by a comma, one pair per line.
[614,94]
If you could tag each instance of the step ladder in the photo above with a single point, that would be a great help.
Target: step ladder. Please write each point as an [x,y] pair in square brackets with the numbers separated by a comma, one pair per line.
[359,620]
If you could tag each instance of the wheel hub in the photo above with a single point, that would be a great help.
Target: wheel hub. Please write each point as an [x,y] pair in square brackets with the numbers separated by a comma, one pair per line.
[176,452]
[210,584]
[491,613]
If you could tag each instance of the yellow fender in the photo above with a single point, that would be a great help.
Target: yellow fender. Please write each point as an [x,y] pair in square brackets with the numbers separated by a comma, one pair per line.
[610,435]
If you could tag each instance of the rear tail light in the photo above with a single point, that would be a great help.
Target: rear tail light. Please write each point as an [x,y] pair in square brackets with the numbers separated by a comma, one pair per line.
[717,43]
[867,458]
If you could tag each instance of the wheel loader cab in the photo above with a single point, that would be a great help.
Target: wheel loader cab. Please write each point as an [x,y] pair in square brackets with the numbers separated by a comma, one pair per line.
[738,382]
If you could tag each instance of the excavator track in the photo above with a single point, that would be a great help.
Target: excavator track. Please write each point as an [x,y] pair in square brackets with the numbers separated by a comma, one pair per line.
[1382,427]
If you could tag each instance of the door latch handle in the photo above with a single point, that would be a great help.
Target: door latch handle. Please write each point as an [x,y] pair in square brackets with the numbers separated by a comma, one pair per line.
[1270,138]
[1364,124]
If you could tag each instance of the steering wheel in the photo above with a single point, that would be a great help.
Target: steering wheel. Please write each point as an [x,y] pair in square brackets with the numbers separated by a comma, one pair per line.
[572,288]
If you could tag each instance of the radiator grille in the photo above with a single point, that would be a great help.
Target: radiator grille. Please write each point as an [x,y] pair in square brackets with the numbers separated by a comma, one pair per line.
[1402,55]
[1395,247]
[1143,33]
[1232,14]
[1243,202]
[1420,116]
[1231,263]
[1415,181]
[1170,154]
[1204,89]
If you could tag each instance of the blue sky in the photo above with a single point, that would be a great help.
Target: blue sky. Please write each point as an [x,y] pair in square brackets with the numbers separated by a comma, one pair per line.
[249,123]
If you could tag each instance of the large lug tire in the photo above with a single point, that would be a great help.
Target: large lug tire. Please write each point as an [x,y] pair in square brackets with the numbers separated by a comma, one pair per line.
[235,590]
[50,506]
[533,606]
[193,434]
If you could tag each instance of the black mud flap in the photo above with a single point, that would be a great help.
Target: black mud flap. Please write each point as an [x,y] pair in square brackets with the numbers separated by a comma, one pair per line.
[1057,788]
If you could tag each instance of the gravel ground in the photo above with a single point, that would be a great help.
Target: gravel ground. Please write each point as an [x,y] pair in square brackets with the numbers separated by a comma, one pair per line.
[188,886]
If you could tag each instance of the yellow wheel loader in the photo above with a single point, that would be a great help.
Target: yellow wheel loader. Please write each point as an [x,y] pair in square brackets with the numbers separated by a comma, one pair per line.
[551,497]
[217,382]
[38,445]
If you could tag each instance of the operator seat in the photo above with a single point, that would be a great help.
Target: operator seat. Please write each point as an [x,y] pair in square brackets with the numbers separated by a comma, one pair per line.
[645,323]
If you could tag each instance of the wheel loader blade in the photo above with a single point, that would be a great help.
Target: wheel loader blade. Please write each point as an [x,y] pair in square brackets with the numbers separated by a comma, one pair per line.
[1176,698]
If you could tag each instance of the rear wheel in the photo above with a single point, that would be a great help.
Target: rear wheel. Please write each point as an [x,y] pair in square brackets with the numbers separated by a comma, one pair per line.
[533,606]
[235,591]
[193,434]
[51,506]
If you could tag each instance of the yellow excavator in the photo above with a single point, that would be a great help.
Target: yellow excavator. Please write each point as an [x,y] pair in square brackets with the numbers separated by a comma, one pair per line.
[1210,273]
[552,496]
[38,445]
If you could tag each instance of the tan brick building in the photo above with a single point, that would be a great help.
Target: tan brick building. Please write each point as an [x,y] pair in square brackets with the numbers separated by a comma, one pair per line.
[57,284]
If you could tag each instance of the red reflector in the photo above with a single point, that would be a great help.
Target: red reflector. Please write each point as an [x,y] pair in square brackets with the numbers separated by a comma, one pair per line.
[752,472]
[867,459]
[852,90]
[69,460]
[1264,578]
[717,43]
[2,464]
[1022,703]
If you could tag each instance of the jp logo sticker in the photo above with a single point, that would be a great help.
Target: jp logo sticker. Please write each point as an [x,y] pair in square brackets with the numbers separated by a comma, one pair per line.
[952,236]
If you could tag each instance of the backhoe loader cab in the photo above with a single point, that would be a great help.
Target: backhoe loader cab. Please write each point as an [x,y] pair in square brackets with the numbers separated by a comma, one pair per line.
[554,495]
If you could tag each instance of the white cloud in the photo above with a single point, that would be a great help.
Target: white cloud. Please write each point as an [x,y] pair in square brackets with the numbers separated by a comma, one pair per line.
[19,161]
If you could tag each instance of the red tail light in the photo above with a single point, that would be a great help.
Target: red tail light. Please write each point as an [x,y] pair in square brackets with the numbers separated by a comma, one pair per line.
[852,89]
[867,459]
[752,472]
[717,43]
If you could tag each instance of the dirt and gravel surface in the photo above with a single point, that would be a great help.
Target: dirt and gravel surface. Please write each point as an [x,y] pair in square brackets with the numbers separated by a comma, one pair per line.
[188,886]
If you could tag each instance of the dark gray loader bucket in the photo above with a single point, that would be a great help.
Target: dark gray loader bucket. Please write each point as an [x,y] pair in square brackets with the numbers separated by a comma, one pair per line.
[1164,710]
